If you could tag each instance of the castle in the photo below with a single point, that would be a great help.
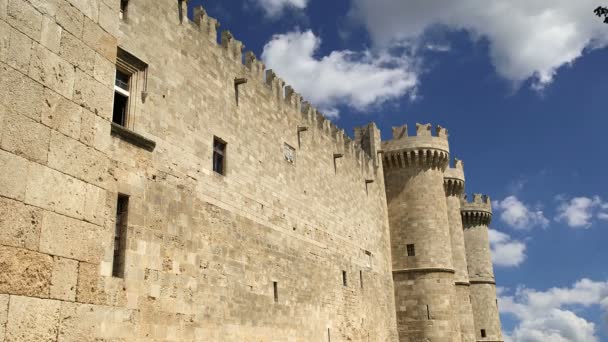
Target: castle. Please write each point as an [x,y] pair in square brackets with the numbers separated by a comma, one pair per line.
[153,187]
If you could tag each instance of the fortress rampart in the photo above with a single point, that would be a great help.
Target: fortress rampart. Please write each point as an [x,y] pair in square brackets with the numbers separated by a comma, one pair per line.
[159,185]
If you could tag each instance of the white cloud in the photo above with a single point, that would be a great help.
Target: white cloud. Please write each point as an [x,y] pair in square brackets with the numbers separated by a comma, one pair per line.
[505,251]
[548,315]
[359,80]
[528,39]
[518,215]
[274,8]
[579,212]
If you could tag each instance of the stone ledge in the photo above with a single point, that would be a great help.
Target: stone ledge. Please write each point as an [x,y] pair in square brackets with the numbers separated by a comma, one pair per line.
[425,269]
[474,282]
[132,137]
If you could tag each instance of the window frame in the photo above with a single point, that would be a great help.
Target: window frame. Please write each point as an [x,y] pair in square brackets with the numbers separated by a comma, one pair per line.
[120,236]
[137,71]
[410,249]
[222,153]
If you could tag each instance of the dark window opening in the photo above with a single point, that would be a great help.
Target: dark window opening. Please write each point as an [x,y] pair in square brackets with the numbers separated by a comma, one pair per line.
[219,156]
[428,312]
[361,278]
[344,282]
[275,288]
[483,332]
[124,4]
[121,98]
[411,250]
[122,208]
[328,335]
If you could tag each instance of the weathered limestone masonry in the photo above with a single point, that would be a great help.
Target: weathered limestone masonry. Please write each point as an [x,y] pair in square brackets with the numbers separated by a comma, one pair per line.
[454,187]
[423,270]
[476,217]
[214,204]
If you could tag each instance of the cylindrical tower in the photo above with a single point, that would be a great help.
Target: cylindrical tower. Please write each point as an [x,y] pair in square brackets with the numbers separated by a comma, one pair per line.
[454,187]
[423,273]
[476,217]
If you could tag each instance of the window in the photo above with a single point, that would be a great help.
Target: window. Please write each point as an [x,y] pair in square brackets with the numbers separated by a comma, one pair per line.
[344,282]
[361,278]
[428,312]
[122,208]
[275,288]
[411,250]
[289,153]
[124,4]
[219,156]
[131,79]
[483,332]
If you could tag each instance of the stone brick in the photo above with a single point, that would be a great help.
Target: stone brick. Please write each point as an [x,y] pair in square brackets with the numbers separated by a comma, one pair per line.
[95,207]
[25,18]
[3,314]
[89,8]
[12,171]
[95,131]
[108,19]
[67,237]
[89,289]
[77,53]
[22,95]
[3,4]
[52,190]
[100,40]
[61,114]
[19,224]
[52,71]
[23,272]
[32,319]
[25,137]
[70,18]
[63,281]
[51,34]
[47,7]
[105,71]
[19,50]
[93,95]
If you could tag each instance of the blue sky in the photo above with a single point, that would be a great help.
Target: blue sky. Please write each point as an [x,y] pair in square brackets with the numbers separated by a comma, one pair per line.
[520,87]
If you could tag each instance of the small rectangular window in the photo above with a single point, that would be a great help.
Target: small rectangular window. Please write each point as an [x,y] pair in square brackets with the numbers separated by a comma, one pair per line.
[411,250]
[219,156]
[131,78]
[428,312]
[275,288]
[344,282]
[361,278]
[122,209]
[483,332]
[124,4]
[121,97]
[289,153]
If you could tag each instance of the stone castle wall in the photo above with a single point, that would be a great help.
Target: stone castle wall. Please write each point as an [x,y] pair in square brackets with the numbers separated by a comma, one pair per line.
[202,250]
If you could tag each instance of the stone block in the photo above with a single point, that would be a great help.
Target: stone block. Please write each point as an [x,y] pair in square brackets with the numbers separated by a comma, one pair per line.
[71,238]
[22,95]
[51,34]
[52,190]
[46,7]
[78,321]
[100,40]
[25,18]
[95,131]
[76,159]
[73,50]
[25,137]
[93,95]
[89,8]
[32,319]
[61,114]
[95,207]
[23,272]
[52,71]
[19,224]
[105,71]
[19,50]
[108,19]
[3,4]
[3,315]
[63,281]
[70,18]
[13,172]
[89,288]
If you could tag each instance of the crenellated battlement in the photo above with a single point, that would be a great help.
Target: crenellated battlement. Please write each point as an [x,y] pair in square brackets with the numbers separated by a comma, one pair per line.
[453,179]
[478,211]
[285,95]
[422,149]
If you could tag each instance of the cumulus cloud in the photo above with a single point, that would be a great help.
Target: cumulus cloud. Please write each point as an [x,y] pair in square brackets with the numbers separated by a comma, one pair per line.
[274,8]
[549,315]
[519,215]
[506,252]
[528,39]
[579,212]
[358,80]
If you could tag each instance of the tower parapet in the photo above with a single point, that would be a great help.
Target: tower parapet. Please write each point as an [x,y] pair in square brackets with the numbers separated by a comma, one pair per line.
[422,149]
[476,218]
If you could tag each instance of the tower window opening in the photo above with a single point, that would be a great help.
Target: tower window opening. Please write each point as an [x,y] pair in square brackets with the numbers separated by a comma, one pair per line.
[361,278]
[428,312]
[483,332]
[121,97]
[411,250]
[219,156]
[275,288]
[344,282]
[122,209]
[124,4]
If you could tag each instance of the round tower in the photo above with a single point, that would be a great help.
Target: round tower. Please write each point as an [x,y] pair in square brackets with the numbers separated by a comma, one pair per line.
[454,187]
[476,217]
[423,272]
